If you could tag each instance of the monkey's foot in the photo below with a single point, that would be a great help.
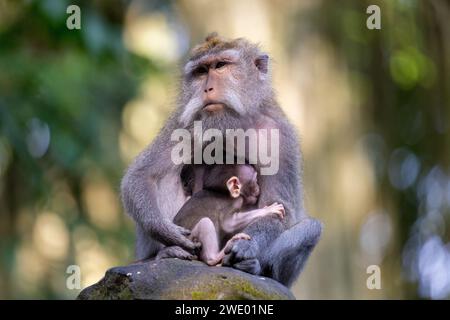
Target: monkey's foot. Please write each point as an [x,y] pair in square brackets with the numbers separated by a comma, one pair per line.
[217,261]
[238,236]
[175,252]
[242,256]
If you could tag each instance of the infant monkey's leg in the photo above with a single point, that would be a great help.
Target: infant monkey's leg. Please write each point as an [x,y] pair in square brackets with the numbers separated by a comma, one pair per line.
[205,232]
[229,245]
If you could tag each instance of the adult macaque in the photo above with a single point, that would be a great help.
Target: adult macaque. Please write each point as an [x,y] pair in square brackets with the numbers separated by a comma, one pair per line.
[225,85]
[218,213]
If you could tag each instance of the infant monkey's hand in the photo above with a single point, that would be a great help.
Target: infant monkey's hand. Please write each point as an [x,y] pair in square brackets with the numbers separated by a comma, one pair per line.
[277,209]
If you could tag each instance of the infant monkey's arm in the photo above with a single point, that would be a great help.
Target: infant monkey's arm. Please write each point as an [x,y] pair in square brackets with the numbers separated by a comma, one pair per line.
[237,221]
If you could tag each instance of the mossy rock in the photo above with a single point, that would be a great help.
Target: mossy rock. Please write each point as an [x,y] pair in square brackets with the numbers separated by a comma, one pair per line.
[183,280]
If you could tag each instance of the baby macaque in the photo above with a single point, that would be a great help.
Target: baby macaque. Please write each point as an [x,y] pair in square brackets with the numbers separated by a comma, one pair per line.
[222,204]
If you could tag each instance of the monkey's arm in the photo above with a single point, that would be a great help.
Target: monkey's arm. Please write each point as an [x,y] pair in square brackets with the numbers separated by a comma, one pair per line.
[234,222]
[152,194]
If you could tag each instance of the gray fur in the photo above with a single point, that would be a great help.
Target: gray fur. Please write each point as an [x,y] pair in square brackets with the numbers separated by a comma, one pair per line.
[152,192]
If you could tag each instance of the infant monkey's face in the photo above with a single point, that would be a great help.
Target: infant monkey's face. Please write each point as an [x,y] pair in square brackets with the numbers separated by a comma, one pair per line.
[250,192]
[249,181]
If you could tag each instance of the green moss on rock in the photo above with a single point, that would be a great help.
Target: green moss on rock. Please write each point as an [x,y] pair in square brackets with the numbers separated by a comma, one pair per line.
[184,280]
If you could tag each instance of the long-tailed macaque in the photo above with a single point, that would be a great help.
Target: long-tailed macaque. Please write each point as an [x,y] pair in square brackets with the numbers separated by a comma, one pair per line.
[226,85]
[225,205]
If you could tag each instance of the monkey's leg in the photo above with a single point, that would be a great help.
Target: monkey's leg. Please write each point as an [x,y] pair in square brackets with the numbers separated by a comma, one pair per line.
[229,244]
[286,257]
[237,236]
[205,232]
[244,255]
[274,251]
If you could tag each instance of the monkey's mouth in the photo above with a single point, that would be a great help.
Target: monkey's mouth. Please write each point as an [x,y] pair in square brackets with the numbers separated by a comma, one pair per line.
[213,106]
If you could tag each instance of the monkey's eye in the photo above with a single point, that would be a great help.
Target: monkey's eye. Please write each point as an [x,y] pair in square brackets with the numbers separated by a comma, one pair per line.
[200,71]
[221,64]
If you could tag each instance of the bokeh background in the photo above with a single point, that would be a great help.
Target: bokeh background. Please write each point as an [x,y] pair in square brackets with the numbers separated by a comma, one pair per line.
[371,106]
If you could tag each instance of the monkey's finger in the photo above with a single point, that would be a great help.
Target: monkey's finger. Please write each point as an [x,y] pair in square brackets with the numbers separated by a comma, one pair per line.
[191,257]
[174,252]
[189,245]
[177,239]
[276,205]
[279,214]
[227,249]
[280,208]
[184,231]
[186,256]
[240,236]
[273,204]
[228,246]
[183,241]
[198,244]
[275,210]
[244,236]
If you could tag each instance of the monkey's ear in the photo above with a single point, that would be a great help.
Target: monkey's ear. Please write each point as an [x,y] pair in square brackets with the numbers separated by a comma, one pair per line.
[262,63]
[234,186]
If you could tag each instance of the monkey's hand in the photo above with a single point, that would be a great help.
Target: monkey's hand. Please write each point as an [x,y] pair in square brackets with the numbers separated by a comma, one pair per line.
[174,235]
[276,208]
[238,236]
[242,256]
[175,252]
[185,232]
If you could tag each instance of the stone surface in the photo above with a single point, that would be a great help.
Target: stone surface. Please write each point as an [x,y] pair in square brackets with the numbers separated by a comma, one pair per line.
[179,279]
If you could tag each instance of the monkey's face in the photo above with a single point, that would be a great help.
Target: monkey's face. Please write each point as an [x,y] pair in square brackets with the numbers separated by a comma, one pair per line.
[250,187]
[219,88]
[212,83]
[250,192]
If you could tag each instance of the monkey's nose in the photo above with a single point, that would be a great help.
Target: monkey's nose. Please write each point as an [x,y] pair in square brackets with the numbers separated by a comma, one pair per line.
[208,89]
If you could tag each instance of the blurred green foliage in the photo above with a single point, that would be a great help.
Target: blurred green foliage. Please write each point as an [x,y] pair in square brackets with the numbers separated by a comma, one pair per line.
[402,75]
[75,83]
